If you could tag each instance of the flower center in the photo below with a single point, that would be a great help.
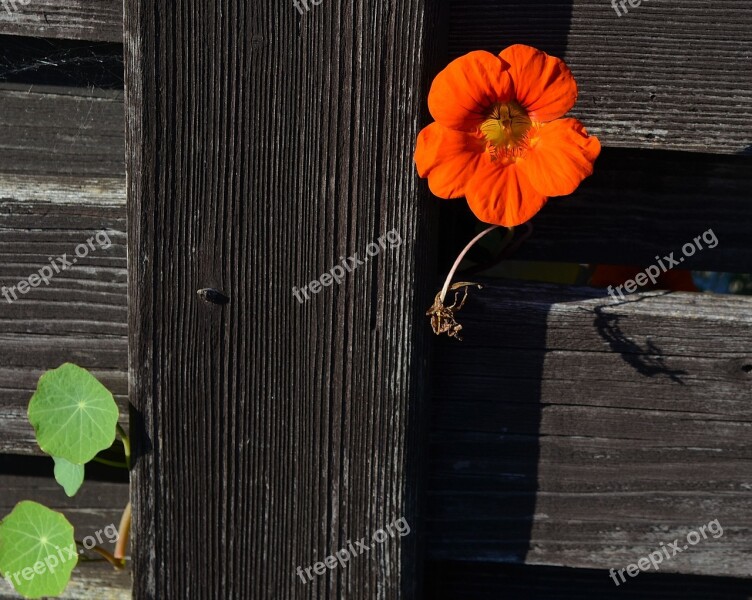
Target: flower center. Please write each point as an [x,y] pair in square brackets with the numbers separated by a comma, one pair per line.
[506,127]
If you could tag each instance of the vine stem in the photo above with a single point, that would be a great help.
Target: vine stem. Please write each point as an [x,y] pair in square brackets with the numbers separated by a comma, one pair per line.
[110,463]
[118,564]
[124,532]
[126,444]
[457,262]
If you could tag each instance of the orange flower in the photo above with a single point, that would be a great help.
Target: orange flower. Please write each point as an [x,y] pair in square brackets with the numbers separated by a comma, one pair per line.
[498,138]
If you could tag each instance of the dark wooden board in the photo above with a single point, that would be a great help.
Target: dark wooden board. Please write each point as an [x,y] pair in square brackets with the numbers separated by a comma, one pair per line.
[61,131]
[97,505]
[451,581]
[60,63]
[96,20]
[81,316]
[268,433]
[569,430]
[673,74]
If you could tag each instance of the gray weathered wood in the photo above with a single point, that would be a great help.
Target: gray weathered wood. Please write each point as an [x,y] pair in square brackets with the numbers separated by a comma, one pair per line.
[672,74]
[95,20]
[81,315]
[97,505]
[61,131]
[89,580]
[268,432]
[568,430]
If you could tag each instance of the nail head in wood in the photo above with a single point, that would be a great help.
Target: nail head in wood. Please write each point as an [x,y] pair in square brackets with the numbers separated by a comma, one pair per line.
[213,296]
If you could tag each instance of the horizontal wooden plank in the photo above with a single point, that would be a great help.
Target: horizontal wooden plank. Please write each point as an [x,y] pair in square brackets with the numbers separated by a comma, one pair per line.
[89,580]
[449,581]
[95,20]
[81,315]
[62,131]
[673,74]
[97,505]
[59,190]
[571,430]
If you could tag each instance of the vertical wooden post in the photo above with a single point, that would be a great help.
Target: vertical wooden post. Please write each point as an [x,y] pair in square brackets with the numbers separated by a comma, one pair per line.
[265,143]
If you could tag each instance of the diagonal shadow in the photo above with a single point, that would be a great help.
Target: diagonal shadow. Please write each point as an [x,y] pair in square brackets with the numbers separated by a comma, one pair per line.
[647,361]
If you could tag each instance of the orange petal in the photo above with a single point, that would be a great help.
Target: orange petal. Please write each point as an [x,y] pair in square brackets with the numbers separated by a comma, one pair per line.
[561,155]
[502,195]
[462,94]
[448,158]
[543,84]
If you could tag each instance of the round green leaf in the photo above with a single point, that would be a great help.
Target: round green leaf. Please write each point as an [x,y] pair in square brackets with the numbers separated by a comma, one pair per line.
[68,475]
[74,416]
[37,550]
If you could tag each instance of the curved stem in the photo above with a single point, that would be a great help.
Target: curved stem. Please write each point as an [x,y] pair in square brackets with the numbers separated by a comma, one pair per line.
[124,532]
[509,245]
[457,262]
[126,444]
[118,564]
[110,463]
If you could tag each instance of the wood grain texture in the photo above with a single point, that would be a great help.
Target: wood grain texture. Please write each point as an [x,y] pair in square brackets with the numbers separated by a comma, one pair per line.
[89,580]
[81,316]
[450,581]
[673,74]
[569,430]
[262,146]
[97,505]
[95,20]
[61,131]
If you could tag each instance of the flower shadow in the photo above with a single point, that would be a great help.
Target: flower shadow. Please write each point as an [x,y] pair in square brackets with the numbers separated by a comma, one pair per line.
[647,360]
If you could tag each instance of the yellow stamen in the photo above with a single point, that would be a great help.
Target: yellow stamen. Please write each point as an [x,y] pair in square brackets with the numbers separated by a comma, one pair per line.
[506,127]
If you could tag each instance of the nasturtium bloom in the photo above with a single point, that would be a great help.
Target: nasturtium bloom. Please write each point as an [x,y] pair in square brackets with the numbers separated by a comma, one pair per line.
[498,137]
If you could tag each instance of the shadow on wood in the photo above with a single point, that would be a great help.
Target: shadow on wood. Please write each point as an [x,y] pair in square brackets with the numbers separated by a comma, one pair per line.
[571,430]
[450,581]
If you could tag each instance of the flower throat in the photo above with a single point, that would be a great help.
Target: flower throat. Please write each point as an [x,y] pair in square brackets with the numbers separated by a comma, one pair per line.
[505,128]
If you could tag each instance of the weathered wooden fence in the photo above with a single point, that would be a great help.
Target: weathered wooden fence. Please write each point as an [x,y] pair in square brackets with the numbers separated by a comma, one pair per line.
[262,146]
